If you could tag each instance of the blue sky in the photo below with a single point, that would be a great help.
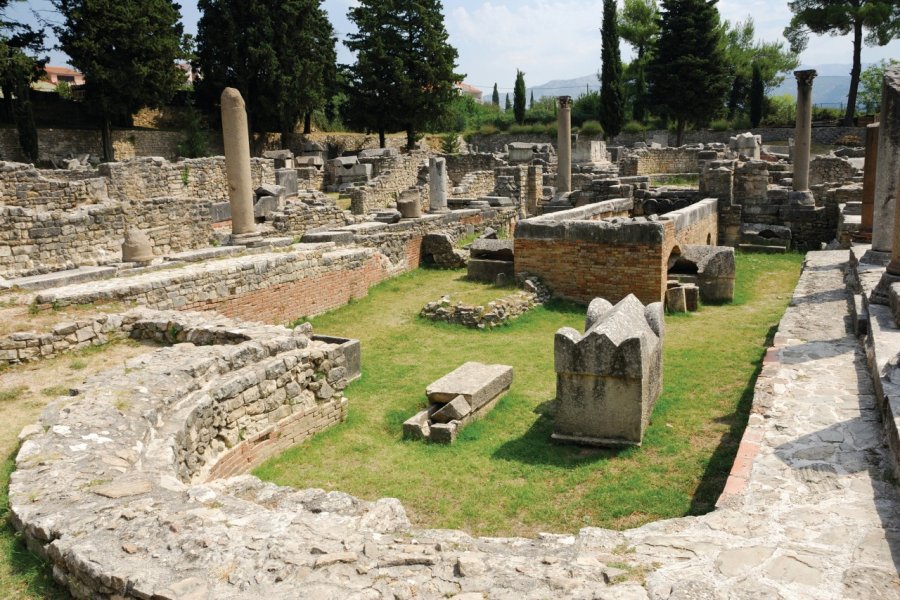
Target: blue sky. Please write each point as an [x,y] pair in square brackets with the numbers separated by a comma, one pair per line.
[547,39]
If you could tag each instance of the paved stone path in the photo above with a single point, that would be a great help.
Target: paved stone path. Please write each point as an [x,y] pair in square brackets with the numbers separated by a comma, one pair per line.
[813,513]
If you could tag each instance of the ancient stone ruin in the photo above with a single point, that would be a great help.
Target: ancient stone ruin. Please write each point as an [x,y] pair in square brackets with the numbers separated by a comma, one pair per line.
[609,378]
[456,399]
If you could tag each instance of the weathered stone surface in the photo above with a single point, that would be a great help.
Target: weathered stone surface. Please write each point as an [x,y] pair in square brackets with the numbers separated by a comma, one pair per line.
[479,269]
[715,268]
[675,300]
[136,247]
[454,410]
[492,249]
[608,380]
[477,382]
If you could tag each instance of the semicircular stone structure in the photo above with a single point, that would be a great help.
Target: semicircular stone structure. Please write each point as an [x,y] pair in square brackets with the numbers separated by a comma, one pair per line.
[136,487]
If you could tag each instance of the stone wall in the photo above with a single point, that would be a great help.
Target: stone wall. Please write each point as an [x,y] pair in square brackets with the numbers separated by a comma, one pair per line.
[127,143]
[582,259]
[475,185]
[831,169]
[660,160]
[305,280]
[397,174]
[33,242]
[62,338]
[298,218]
[23,185]
[459,165]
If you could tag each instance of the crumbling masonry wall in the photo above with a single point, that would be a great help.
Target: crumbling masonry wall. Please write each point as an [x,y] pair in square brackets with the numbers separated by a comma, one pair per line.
[581,259]
[650,161]
[397,173]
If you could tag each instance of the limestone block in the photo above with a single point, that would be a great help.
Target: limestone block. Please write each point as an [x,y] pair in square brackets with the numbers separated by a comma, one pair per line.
[691,297]
[480,269]
[444,433]
[675,300]
[716,269]
[136,247]
[417,427]
[608,380]
[492,249]
[477,382]
[287,179]
[454,410]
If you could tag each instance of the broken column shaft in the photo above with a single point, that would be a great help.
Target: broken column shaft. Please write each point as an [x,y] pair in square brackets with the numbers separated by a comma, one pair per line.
[236,138]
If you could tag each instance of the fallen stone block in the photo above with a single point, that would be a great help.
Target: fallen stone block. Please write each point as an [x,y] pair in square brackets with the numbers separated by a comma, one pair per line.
[490,270]
[492,249]
[454,410]
[478,383]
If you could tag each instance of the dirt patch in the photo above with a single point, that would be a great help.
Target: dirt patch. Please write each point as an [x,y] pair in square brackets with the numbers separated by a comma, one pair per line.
[18,314]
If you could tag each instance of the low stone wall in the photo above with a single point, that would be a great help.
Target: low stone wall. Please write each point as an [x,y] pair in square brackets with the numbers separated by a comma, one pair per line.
[151,177]
[459,165]
[581,258]
[23,185]
[33,242]
[831,169]
[493,314]
[475,185]
[660,160]
[298,218]
[280,286]
[62,338]
[397,174]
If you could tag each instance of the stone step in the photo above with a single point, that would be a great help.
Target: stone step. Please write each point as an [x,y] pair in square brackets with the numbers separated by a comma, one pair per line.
[762,249]
[61,278]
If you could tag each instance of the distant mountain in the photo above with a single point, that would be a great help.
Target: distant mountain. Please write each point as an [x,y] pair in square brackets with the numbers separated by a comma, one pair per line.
[829,89]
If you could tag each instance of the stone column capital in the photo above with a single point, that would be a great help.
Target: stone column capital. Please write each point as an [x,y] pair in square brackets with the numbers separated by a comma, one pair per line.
[805,78]
[564,101]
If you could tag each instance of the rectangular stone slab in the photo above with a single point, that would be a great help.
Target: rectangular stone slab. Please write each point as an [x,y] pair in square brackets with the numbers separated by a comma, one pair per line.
[477,382]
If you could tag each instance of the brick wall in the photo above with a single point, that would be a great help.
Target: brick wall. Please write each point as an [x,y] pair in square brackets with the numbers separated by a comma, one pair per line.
[581,258]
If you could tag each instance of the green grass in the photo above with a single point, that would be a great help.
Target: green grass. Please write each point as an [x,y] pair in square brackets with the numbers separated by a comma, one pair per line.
[503,476]
[13,394]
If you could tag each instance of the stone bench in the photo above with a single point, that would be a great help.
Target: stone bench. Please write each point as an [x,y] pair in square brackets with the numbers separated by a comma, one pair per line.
[457,399]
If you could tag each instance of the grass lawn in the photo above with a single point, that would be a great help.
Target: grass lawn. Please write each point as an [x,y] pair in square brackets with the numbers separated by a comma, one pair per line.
[503,476]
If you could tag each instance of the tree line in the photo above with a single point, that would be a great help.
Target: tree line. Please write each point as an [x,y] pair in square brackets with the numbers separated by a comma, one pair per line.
[690,67]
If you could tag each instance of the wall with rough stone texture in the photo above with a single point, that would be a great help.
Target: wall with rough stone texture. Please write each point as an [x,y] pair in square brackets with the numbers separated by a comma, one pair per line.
[459,165]
[660,160]
[397,174]
[831,169]
[23,185]
[581,260]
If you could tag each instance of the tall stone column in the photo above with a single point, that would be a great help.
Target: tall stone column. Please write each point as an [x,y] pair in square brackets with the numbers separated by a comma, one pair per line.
[533,188]
[236,138]
[868,197]
[801,196]
[437,185]
[887,186]
[564,143]
[887,167]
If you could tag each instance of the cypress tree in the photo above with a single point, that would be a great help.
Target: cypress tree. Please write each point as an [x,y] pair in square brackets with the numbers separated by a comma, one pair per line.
[688,77]
[495,97]
[531,102]
[508,105]
[519,98]
[612,96]
[282,61]
[405,66]
[757,96]
[127,52]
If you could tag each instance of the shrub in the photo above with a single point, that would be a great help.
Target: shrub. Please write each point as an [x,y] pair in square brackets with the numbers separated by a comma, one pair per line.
[633,127]
[195,141]
[741,122]
[488,129]
[450,144]
[591,128]
[720,125]
[848,139]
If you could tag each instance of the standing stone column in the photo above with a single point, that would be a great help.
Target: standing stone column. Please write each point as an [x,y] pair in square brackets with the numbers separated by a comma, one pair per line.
[887,167]
[533,188]
[236,138]
[801,196]
[886,184]
[564,143]
[437,185]
[868,197]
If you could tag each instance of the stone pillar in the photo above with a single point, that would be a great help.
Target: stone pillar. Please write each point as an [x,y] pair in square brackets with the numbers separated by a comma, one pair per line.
[437,185]
[236,138]
[534,185]
[887,169]
[801,196]
[564,143]
[868,199]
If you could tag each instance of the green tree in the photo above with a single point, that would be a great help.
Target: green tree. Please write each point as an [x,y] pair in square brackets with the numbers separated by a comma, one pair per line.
[19,68]
[508,106]
[127,52]
[757,96]
[742,51]
[878,19]
[872,80]
[612,101]
[414,82]
[639,26]
[687,74]
[495,97]
[282,61]
[531,101]
[519,97]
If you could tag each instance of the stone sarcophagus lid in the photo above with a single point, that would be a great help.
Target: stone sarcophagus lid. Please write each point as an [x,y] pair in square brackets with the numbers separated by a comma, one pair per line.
[608,380]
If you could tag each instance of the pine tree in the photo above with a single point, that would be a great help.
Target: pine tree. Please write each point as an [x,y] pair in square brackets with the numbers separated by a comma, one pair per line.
[404,75]
[688,76]
[495,97]
[881,19]
[612,96]
[127,52]
[508,105]
[757,96]
[639,26]
[18,70]
[519,98]
[279,85]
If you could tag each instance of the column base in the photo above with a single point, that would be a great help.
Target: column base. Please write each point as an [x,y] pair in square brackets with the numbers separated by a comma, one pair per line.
[882,292]
[438,211]
[805,198]
[245,239]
